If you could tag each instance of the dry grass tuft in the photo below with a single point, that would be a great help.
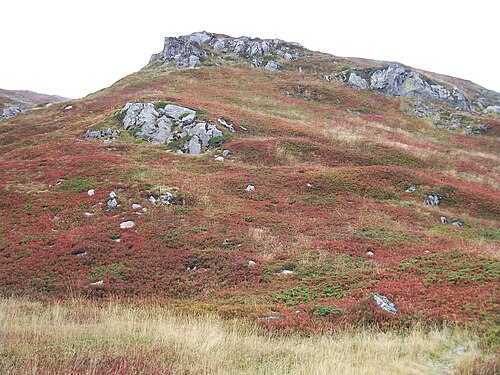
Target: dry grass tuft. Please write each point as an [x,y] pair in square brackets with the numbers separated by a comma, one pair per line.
[79,337]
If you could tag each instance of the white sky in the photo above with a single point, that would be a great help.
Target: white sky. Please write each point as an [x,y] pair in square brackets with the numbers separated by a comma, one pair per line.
[73,48]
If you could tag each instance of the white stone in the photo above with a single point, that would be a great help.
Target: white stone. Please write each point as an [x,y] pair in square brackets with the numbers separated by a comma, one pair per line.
[384,303]
[251,263]
[112,195]
[91,192]
[459,350]
[175,111]
[88,214]
[250,188]
[493,109]
[100,282]
[411,189]
[194,146]
[127,224]
[287,272]
[369,253]
[271,66]
[219,158]
[68,107]
[136,206]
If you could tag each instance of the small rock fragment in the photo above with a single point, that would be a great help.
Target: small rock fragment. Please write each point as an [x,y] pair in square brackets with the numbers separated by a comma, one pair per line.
[91,192]
[457,223]
[152,200]
[100,282]
[250,188]
[112,203]
[81,254]
[411,189]
[225,153]
[459,350]
[136,206]
[384,303]
[427,252]
[433,200]
[226,124]
[369,253]
[219,158]
[287,272]
[127,224]
[112,195]
[88,214]
[167,199]
[443,219]
[251,263]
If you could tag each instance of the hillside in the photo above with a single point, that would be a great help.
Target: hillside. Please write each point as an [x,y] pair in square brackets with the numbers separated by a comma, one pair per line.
[259,179]
[13,102]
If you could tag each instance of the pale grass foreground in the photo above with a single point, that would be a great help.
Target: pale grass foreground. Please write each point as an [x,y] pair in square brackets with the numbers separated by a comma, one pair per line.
[82,338]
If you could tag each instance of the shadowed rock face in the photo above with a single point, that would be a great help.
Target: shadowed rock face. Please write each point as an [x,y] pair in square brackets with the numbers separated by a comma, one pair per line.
[189,50]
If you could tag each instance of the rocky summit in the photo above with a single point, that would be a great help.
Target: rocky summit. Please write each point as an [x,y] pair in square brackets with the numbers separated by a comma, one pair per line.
[202,47]
[430,96]
[256,178]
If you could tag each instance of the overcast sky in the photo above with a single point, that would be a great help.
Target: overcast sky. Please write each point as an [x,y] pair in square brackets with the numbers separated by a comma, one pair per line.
[73,48]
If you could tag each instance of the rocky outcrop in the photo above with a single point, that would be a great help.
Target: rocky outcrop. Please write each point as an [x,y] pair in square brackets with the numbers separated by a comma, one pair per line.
[194,49]
[446,107]
[170,124]
[493,109]
[396,80]
[91,134]
[10,111]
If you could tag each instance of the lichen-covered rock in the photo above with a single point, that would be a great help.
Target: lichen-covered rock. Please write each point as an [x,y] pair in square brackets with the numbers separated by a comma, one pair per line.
[271,66]
[189,51]
[169,124]
[396,80]
[10,111]
[357,81]
[493,109]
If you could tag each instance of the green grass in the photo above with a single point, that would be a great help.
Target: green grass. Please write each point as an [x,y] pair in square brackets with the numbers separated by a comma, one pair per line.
[78,184]
[99,272]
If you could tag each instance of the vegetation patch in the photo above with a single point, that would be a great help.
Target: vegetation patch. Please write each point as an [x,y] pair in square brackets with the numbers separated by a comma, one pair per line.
[78,184]
[453,267]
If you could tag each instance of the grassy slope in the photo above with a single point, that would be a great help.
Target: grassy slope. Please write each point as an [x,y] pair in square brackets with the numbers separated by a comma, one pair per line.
[79,337]
[358,166]
[27,99]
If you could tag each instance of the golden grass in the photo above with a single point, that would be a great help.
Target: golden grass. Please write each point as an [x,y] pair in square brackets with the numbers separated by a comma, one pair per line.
[82,338]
